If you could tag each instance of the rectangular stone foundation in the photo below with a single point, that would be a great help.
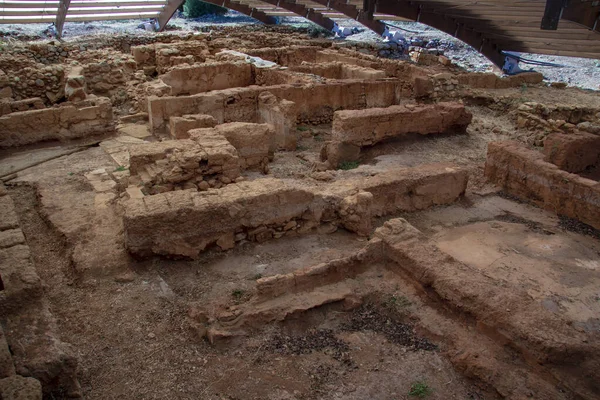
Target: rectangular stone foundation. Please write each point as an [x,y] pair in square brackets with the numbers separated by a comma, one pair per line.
[69,121]
[184,223]
[523,173]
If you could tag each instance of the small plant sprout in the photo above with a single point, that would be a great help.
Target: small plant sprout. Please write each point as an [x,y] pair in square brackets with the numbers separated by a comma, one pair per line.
[237,295]
[420,390]
[346,165]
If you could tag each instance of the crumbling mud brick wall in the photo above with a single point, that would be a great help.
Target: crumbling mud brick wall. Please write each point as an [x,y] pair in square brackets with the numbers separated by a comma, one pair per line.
[353,129]
[523,173]
[67,121]
[401,70]
[268,208]
[189,80]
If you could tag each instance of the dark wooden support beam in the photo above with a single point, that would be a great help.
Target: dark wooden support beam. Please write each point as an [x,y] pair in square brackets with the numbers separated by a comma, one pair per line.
[61,14]
[552,14]
[352,12]
[586,13]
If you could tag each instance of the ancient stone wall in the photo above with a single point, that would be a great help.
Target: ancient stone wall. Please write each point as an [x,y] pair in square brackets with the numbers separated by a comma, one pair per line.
[45,82]
[338,70]
[265,208]
[161,57]
[106,77]
[67,121]
[30,329]
[285,56]
[523,173]
[210,158]
[316,103]
[189,80]
[7,107]
[492,81]
[353,129]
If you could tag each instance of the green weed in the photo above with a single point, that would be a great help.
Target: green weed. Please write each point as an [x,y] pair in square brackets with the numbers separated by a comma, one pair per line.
[346,165]
[419,389]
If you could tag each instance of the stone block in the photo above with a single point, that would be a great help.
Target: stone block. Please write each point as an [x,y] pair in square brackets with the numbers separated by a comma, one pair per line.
[181,125]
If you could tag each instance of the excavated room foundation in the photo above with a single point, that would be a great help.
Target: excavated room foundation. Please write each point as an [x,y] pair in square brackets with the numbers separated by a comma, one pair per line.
[270,216]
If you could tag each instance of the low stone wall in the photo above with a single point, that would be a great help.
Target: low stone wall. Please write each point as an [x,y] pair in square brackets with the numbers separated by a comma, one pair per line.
[286,56]
[400,69]
[45,82]
[573,152]
[267,208]
[523,173]
[338,70]
[189,80]
[7,107]
[160,57]
[180,126]
[20,279]
[353,129]
[35,349]
[482,80]
[316,102]
[68,121]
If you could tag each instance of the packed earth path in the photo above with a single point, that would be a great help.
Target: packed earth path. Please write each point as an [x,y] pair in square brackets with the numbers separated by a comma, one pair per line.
[268,213]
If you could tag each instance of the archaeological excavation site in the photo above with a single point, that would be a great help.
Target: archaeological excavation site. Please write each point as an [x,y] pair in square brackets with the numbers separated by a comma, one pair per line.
[259,212]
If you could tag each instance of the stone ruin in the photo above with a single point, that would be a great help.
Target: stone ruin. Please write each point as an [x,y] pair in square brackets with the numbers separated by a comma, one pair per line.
[202,148]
